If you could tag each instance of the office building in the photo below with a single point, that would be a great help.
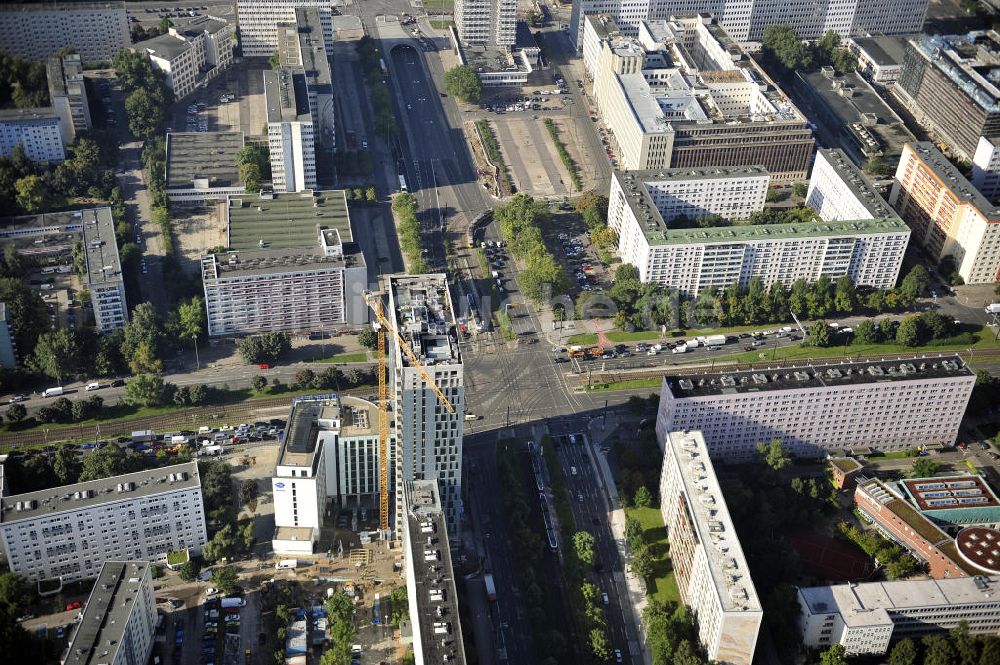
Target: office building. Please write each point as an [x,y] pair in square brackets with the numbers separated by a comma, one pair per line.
[712,574]
[8,353]
[952,502]
[880,58]
[68,95]
[292,266]
[691,259]
[628,14]
[986,167]
[947,215]
[428,437]
[430,580]
[290,130]
[486,23]
[975,550]
[303,48]
[328,460]
[201,166]
[863,618]
[815,408]
[684,95]
[948,84]
[94,230]
[69,532]
[95,30]
[259,21]
[118,622]
[105,279]
[36,130]
[192,54]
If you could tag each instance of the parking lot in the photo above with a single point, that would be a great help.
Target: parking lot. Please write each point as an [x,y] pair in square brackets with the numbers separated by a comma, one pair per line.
[233,101]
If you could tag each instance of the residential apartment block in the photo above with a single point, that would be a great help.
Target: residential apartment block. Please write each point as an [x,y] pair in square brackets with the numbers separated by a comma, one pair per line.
[712,574]
[887,405]
[865,617]
[428,437]
[328,458]
[948,216]
[303,49]
[486,23]
[118,622]
[682,94]
[69,532]
[192,54]
[95,30]
[430,581]
[37,131]
[292,266]
[869,249]
[948,84]
[291,134]
[259,21]
[68,95]
[986,167]
[839,191]
[975,550]
[94,229]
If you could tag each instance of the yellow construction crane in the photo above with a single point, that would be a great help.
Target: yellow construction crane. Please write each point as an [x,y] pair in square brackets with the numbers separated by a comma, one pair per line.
[385,326]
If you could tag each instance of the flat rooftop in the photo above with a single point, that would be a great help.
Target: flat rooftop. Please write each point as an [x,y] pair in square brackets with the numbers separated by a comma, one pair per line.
[424,316]
[970,61]
[310,415]
[292,220]
[952,178]
[712,524]
[855,180]
[26,115]
[657,231]
[208,155]
[311,52]
[949,492]
[286,98]
[100,246]
[882,50]
[60,6]
[430,556]
[856,602]
[165,46]
[126,487]
[111,602]
[862,106]
[812,376]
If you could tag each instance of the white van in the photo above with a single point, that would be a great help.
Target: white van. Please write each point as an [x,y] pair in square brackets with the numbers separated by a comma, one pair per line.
[93,385]
[53,392]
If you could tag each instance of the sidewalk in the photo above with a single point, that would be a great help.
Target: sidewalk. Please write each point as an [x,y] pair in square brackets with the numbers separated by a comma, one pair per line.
[598,431]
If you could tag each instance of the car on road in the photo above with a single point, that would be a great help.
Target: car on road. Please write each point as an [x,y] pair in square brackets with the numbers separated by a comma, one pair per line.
[604,597]
[118,383]
[579,498]
[18,398]
[559,359]
[93,385]
[618,655]
[263,366]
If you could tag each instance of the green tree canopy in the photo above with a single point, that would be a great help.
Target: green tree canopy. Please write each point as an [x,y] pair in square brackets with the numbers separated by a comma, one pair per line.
[462,82]
[56,354]
[781,43]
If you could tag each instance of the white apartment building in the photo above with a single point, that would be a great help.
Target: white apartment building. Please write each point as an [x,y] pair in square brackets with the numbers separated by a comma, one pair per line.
[486,23]
[712,574]
[684,95]
[96,30]
[986,167]
[430,582]
[329,456]
[38,131]
[948,216]
[68,95]
[428,436]
[869,250]
[293,266]
[69,532]
[118,622]
[192,54]
[838,190]
[290,130]
[888,405]
[105,279]
[259,21]
[303,48]
[865,617]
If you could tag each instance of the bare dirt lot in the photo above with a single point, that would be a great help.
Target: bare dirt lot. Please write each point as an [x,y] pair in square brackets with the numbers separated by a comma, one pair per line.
[196,230]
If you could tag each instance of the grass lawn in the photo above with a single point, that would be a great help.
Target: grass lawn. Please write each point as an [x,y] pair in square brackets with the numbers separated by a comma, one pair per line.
[439,4]
[899,454]
[346,358]
[629,384]
[661,585]
[441,24]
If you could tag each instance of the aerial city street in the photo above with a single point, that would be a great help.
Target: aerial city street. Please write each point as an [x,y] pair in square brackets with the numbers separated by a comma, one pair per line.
[500,332]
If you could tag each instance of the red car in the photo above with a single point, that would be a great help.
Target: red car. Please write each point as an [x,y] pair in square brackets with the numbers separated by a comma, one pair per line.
[75,605]
[263,366]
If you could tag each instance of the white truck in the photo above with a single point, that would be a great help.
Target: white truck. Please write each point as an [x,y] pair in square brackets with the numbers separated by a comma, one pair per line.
[143,436]
[53,392]
[993,308]
[212,451]
[712,340]
[287,564]
[233,602]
